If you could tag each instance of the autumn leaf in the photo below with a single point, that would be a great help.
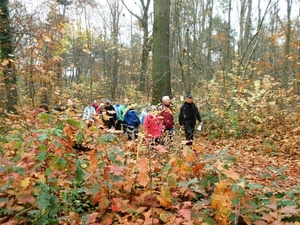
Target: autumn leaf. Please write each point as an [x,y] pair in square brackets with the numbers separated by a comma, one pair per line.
[148,218]
[188,154]
[290,210]
[185,213]
[26,198]
[197,148]
[142,179]
[4,62]
[116,170]
[107,219]
[69,131]
[143,165]
[93,161]
[121,205]
[75,217]
[198,167]
[25,182]
[231,174]
[91,218]
[165,197]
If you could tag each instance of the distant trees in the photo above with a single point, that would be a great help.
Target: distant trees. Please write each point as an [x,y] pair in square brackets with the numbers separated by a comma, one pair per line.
[92,49]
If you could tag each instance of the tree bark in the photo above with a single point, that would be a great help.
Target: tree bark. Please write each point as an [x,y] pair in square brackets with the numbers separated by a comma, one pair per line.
[7,52]
[161,61]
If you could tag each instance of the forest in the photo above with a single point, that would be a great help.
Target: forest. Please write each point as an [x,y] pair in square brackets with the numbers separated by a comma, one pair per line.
[239,60]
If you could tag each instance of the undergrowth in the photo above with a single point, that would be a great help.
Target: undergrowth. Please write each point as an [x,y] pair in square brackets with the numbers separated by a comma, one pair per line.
[44,180]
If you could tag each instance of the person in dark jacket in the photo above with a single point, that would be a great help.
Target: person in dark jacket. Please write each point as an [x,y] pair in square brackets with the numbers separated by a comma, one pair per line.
[188,116]
[111,115]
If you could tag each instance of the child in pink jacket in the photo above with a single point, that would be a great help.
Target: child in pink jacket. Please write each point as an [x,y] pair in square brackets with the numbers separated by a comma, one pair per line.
[153,126]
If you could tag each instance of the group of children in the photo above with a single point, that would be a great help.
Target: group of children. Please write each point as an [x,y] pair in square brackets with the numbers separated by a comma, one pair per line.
[156,121]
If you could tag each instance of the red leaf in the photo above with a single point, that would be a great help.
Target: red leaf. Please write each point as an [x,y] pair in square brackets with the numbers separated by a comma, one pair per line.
[91,218]
[198,167]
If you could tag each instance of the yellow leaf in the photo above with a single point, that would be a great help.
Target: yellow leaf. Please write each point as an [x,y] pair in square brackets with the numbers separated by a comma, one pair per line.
[25,182]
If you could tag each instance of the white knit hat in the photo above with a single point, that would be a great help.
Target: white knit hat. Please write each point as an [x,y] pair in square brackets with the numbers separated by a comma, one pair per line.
[165,98]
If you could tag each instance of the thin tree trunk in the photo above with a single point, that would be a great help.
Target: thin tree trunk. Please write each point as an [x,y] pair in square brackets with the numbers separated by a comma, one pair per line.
[288,39]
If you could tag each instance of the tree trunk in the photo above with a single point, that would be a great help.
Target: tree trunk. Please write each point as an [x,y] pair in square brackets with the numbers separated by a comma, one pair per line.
[115,13]
[7,52]
[161,61]
[288,39]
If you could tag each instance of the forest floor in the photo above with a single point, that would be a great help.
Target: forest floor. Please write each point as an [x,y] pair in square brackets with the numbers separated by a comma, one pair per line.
[253,163]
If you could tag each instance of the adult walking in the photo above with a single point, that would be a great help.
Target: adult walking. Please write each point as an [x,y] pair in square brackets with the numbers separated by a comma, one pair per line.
[166,112]
[188,116]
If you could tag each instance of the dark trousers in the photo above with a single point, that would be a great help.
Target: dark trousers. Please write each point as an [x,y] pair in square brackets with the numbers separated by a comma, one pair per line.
[109,123]
[119,125]
[189,130]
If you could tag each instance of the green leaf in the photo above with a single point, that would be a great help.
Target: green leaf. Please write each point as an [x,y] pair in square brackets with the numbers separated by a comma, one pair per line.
[3,200]
[266,175]
[112,157]
[116,178]
[42,137]
[79,172]
[279,195]
[166,168]
[48,172]
[76,123]
[101,165]
[193,181]
[223,152]
[231,159]
[43,147]
[172,181]
[209,221]
[209,157]
[233,217]
[42,156]
[19,170]
[105,138]
[79,137]
[255,186]
[57,132]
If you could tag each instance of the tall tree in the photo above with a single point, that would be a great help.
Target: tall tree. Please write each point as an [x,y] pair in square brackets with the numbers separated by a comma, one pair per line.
[161,62]
[115,12]
[144,22]
[7,57]
[288,38]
